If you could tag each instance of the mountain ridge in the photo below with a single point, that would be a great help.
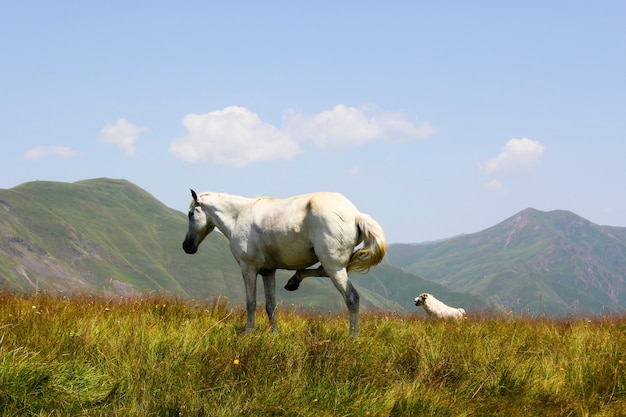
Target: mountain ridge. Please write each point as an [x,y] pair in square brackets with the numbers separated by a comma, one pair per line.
[110,236]
[552,262]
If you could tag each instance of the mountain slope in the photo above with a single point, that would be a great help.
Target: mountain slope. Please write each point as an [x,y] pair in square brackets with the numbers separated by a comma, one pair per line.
[112,236]
[401,287]
[97,234]
[540,262]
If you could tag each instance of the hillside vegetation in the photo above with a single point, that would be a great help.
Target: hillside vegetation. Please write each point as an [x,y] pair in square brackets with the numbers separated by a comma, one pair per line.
[162,356]
[102,235]
[534,262]
[110,236]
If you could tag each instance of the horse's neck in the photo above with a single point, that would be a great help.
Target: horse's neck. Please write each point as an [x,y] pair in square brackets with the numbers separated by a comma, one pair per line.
[225,209]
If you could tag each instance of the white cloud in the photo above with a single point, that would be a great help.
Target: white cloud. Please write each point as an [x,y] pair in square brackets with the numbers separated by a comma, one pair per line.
[353,172]
[233,136]
[346,127]
[40,152]
[519,155]
[494,185]
[122,134]
[236,136]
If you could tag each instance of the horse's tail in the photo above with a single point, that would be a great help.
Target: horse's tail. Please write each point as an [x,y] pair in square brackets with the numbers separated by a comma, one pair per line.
[374,246]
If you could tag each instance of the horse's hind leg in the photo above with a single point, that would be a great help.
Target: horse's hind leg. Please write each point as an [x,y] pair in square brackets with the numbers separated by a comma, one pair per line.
[350,295]
[269,284]
[296,279]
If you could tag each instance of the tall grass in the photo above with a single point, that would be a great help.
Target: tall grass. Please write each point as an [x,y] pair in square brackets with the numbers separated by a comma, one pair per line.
[163,356]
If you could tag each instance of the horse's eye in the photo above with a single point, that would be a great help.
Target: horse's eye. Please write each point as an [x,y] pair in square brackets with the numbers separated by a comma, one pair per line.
[190,214]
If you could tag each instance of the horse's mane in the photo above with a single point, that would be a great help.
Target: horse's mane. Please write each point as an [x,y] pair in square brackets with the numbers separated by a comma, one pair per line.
[193,201]
[223,194]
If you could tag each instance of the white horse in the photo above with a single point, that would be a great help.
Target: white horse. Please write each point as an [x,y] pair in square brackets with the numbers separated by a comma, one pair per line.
[295,233]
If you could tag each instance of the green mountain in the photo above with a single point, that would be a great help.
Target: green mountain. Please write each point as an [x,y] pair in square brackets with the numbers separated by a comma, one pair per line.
[100,235]
[536,262]
[110,236]
[399,287]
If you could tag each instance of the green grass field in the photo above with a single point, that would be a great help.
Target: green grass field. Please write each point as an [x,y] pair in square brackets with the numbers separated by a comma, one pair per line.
[162,356]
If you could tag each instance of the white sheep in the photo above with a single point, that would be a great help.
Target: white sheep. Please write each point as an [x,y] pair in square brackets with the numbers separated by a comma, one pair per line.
[438,310]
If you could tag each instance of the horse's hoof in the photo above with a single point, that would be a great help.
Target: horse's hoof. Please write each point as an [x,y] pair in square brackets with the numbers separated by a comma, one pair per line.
[293,284]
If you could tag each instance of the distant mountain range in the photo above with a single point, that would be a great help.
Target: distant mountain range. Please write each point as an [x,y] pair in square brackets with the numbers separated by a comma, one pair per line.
[111,237]
[534,262]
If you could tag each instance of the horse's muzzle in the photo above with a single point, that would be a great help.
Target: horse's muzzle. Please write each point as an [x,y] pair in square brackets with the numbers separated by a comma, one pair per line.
[189,247]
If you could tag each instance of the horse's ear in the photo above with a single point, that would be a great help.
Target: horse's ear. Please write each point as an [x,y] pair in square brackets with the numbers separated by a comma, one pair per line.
[194,195]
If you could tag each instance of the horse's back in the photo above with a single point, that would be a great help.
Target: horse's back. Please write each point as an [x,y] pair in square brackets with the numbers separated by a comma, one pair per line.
[291,233]
[325,202]
[307,214]
[320,205]
[331,212]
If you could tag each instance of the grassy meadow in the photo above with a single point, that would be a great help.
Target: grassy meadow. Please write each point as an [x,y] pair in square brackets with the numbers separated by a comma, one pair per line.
[163,356]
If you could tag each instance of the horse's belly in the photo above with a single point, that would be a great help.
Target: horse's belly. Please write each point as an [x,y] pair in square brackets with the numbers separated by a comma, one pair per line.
[292,258]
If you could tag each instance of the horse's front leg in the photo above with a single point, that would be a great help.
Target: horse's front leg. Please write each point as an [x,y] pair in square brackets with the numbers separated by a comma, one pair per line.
[269,284]
[249,280]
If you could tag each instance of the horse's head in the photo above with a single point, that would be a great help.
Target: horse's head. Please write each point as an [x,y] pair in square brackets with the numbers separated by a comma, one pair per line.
[199,225]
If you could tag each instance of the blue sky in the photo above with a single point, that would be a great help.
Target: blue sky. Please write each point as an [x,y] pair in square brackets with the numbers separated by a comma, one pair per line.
[436,118]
